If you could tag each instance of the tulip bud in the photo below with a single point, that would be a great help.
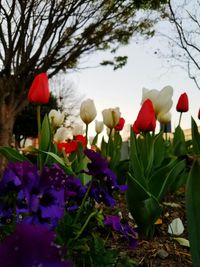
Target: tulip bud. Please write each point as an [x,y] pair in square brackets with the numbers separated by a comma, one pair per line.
[88,111]
[183,103]
[120,124]
[99,126]
[146,120]
[56,117]
[39,90]
[62,134]
[111,117]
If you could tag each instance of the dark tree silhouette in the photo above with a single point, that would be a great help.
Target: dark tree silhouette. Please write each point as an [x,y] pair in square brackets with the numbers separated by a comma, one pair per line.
[53,35]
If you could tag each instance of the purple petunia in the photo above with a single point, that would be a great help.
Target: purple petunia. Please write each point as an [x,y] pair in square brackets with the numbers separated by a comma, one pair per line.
[122,228]
[31,245]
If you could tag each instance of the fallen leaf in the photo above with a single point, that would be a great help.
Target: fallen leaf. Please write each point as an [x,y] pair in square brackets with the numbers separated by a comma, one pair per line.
[182,241]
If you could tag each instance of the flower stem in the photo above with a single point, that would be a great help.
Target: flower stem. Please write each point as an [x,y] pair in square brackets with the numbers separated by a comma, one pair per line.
[86,134]
[83,202]
[39,122]
[39,135]
[109,138]
[180,119]
[85,224]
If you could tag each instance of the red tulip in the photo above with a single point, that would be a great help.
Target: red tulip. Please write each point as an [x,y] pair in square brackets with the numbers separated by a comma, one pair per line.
[69,147]
[39,90]
[199,114]
[120,124]
[182,105]
[146,120]
[82,139]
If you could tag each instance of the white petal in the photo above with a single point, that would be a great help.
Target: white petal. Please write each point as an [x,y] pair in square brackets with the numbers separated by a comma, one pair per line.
[176,227]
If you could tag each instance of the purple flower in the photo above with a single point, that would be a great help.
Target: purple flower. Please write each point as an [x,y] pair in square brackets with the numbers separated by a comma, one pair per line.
[122,228]
[101,194]
[104,180]
[29,246]
[38,195]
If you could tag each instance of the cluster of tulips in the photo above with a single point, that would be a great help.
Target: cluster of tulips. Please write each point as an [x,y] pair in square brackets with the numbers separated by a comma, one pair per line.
[61,200]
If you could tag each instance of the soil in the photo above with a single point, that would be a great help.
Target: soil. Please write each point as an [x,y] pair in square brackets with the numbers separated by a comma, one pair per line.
[162,250]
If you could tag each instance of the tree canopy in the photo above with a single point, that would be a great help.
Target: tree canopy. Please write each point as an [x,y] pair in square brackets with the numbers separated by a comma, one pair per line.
[53,35]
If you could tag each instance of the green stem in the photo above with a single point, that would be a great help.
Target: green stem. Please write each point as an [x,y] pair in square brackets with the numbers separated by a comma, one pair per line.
[39,135]
[39,121]
[109,138]
[82,204]
[85,224]
[179,123]
[86,134]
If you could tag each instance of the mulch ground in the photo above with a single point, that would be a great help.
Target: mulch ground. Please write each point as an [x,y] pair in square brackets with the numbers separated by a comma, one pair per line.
[162,250]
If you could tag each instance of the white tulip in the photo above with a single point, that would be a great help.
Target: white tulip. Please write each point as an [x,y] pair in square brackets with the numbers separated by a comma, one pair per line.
[162,100]
[56,117]
[164,118]
[99,126]
[149,94]
[111,117]
[62,134]
[88,111]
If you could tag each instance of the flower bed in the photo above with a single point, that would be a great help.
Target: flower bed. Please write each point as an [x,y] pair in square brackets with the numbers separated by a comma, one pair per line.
[73,203]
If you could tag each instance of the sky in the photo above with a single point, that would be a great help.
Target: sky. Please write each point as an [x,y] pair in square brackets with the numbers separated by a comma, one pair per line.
[123,87]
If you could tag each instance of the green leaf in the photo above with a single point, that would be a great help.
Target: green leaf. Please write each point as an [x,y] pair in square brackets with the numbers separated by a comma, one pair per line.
[12,154]
[145,214]
[94,141]
[45,136]
[135,164]
[193,211]
[45,139]
[179,145]
[136,192]
[195,138]
[171,177]
[59,160]
[160,147]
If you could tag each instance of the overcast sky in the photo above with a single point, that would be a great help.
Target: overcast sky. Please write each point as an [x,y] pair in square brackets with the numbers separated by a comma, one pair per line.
[123,88]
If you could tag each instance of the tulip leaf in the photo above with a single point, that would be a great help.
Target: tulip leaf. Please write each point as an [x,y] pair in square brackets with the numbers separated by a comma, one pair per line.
[171,177]
[193,211]
[45,139]
[58,160]
[144,208]
[195,138]
[136,192]
[158,177]
[145,213]
[12,154]
[179,144]
[135,164]
[45,136]
[160,149]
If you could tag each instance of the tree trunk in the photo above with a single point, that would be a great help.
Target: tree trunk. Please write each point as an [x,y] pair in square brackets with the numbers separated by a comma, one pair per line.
[12,100]
[6,129]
